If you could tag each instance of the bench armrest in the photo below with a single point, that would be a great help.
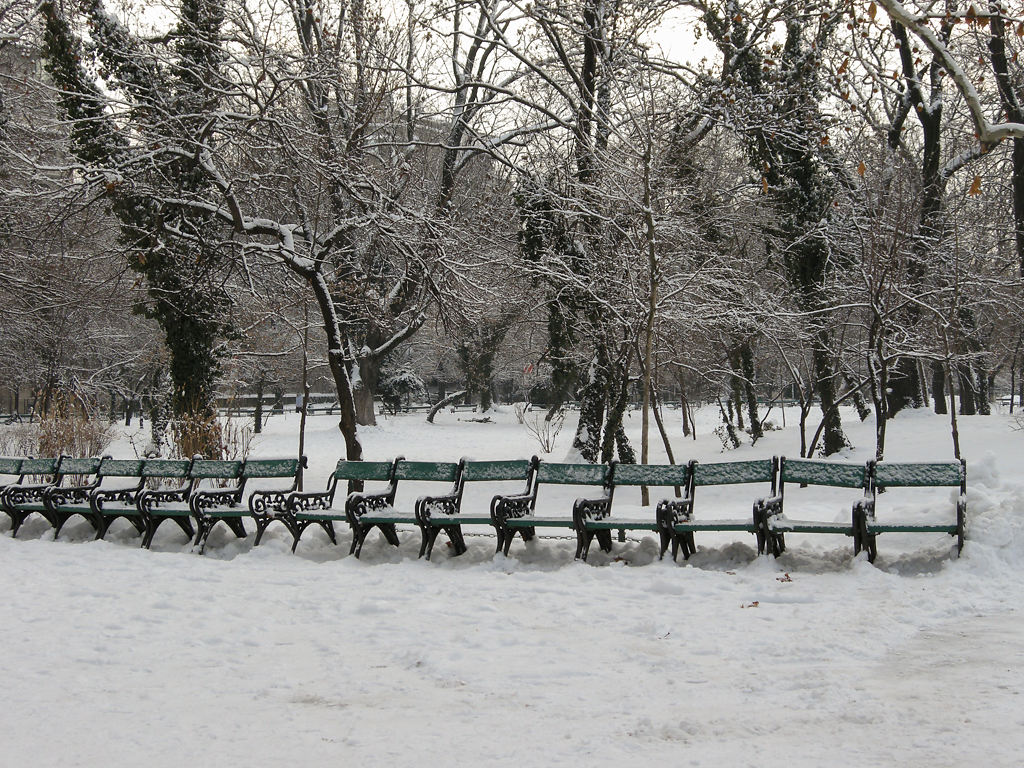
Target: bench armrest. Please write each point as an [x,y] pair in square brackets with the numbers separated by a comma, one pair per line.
[203,500]
[514,505]
[671,512]
[126,496]
[25,494]
[269,503]
[358,503]
[445,504]
[57,495]
[768,507]
[304,501]
[590,509]
[150,498]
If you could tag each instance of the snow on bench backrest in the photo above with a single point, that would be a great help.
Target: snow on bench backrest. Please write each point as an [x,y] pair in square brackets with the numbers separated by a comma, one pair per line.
[121,468]
[652,474]
[517,469]
[270,468]
[824,473]
[362,470]
[437,471]
[897,475]
[734,472]
[573,474]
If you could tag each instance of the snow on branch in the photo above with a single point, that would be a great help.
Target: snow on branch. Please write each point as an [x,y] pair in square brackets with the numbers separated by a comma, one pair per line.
[988,133]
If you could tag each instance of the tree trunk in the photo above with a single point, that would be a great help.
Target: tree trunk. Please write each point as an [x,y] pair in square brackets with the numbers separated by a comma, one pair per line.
[587,441]
[364,385]
[965,383]
[834,438]
[257,426]
[939,387]
[747,368]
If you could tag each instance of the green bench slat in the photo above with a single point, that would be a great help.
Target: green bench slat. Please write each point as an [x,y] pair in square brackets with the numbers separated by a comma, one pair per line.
[427,471]
[362,470]
[910,528]
[714,525]
[71,466]
[39,466]
[626,525]
[572,474]
[166,467]
[908,475]
[652,474]
[733,472]
[445,520]
[824,473]
[539,522]
[809,526]
[121,468]
[270,468]
[474,471]
[215,469]
[10,466]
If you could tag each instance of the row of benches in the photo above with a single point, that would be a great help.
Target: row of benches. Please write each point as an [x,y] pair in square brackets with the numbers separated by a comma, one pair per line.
[76,487]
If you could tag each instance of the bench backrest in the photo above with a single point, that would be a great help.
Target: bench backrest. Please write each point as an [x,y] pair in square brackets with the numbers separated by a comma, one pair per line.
[734,472]
[272,467]
[170,468]
[363,470]
[890,474]
[436,471]
[517,469]
[652,474]
[40,466]
[811,472]
[10,466]
[573,474]
[121,468]
[214,469]
[70,466]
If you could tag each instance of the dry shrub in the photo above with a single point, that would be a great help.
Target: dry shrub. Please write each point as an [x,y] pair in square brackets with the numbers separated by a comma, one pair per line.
[59,432]
[210,437]
[19,440]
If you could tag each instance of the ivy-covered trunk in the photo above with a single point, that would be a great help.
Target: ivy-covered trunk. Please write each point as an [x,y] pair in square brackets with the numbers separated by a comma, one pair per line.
[364,384]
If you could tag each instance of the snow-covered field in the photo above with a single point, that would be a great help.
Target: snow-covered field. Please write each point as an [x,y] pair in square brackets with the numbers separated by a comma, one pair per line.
[115,656]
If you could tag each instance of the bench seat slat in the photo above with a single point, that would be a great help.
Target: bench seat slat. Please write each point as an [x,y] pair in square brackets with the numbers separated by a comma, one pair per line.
[540,522]
[911,528]
[446,520]
[809,526]
[715,525]
[611,524]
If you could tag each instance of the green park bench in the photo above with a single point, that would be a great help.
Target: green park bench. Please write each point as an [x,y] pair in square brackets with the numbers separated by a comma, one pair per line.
[887,475]
[212,506]
[596,519]
[810,472]
[306,508]
[24,497]
[157,505]
[437,513]
[10,469]
[109,504]
[364,513]
[71,496]
[679,517]
[516,513]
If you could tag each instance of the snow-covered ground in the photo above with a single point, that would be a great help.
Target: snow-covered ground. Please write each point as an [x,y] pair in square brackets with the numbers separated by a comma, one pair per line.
[115,656]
